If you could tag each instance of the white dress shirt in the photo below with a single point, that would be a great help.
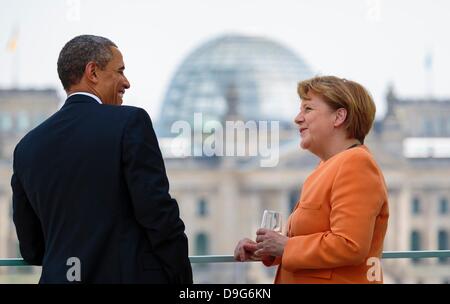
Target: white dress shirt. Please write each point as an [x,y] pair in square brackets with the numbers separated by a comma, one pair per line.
[87,94]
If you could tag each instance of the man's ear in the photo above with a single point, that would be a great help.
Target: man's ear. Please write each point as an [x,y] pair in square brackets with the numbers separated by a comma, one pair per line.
[90,72]
[341,115]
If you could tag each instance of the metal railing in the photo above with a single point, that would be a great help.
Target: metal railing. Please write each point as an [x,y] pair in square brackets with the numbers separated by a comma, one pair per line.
[230,259]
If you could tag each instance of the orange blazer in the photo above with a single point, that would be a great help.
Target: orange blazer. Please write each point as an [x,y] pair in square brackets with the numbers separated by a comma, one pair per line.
[337,228]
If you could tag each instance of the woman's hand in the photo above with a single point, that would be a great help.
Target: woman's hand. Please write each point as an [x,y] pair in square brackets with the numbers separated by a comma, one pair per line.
[245,250]
[269,243]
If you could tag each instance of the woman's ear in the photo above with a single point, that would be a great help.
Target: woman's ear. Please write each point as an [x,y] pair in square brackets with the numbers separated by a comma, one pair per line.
[341,115]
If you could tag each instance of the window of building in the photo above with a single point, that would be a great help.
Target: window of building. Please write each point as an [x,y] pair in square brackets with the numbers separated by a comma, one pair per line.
[448,125]
[428,127]
[443,206]
[202,244]
[5,122]
[38,119]
[415,243]
[23,122]
[416,208]
[443,243]
[202,208]
[442,126]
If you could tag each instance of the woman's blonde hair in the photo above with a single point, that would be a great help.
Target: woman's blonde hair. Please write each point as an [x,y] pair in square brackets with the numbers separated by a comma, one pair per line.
[347,94]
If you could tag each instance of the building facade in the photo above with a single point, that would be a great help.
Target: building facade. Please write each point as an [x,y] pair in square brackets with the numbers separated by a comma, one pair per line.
[20,111]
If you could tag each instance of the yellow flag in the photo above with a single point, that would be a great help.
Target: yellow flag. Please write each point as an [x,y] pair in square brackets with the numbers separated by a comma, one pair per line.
[12,42]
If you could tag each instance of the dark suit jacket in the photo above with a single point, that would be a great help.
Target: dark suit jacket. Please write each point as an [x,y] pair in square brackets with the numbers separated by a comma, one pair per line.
[90,183]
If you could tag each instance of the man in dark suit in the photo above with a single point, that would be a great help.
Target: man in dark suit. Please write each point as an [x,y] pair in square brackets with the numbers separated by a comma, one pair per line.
[90,191]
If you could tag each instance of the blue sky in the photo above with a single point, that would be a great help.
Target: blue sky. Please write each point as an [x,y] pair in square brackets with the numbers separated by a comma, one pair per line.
[375,42]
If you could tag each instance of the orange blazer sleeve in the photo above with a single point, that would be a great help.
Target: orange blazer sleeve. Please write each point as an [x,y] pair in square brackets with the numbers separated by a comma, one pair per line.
[356,199]
[271,262]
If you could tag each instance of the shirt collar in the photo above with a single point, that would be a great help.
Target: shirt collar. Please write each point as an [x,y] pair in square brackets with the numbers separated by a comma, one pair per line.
[87,94]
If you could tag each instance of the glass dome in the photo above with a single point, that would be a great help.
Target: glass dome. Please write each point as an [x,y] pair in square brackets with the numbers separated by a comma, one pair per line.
[247,78]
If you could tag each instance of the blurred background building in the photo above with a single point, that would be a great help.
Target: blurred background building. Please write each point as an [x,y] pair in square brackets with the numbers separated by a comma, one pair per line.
[222,198]
[20,111]
[247,78]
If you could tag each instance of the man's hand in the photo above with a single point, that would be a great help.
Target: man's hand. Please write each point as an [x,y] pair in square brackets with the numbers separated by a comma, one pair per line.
[245,250]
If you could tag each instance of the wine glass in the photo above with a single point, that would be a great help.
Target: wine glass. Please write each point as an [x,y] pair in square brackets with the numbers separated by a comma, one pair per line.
[271,220]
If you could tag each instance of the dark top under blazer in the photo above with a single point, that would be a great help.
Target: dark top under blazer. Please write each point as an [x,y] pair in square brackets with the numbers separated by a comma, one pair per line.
[90,183]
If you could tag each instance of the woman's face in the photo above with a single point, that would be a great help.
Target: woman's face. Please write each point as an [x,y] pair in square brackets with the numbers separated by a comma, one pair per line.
[316,124]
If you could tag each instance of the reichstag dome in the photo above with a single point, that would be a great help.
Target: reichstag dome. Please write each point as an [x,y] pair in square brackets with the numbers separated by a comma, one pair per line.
[234,77]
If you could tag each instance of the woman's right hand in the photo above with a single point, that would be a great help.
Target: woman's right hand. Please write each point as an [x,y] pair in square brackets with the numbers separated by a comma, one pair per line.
[245,250]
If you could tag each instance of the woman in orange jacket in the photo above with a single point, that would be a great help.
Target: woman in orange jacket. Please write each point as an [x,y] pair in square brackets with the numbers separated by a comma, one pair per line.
[335,233]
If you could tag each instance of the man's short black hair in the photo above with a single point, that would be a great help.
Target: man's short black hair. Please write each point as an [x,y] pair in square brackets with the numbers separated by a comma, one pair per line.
[78,52]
